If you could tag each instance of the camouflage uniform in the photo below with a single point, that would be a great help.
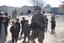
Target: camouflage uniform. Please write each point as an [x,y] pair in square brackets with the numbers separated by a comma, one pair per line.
[14,14]
[38,31]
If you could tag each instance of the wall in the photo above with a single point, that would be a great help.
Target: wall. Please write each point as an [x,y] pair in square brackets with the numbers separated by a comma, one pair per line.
[61,10]
[3,8]
[10,10]
[25,9]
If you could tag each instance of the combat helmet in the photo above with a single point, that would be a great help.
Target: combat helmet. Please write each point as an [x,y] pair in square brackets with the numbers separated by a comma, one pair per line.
[37,8]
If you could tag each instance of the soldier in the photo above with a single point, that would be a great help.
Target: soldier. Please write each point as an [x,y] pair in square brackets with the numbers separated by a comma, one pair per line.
[38,26]
[14,14]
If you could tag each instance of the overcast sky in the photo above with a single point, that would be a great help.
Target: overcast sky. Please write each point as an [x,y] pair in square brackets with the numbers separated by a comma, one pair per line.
[19,3]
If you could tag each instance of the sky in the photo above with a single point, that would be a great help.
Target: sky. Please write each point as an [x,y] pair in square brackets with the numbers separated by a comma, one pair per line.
[20,3]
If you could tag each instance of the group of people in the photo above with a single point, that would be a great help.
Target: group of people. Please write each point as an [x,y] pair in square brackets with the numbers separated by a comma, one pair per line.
[53,23]
[15,29]
[39,24]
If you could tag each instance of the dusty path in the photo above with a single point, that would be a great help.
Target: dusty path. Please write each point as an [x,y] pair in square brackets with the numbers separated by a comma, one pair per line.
[58,37]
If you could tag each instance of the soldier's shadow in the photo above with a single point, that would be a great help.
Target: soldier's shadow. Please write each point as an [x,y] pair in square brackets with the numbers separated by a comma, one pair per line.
[20,38]
[9,41]
[25,42]
[52,33]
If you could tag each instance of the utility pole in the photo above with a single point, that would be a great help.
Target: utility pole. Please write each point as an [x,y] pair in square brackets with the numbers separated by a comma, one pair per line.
[37,2]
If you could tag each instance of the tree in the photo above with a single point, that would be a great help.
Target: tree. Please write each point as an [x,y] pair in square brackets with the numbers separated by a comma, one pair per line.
[62,5]
[38,2]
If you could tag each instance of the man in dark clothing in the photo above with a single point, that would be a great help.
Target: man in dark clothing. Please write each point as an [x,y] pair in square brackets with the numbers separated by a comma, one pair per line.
[22,22]
[14,31]
[46,26]
[6,23]
[2,29]
[53,23]
[18,24]
[6,18]
[38,26]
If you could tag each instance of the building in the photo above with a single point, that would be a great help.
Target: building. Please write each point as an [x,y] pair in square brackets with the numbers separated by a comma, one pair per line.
[47,8]
[54,10]
[24,10]
[61,8]
[7,9]
[3,8]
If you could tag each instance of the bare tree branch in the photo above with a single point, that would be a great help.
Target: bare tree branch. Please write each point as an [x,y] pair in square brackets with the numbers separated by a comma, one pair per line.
[38,2]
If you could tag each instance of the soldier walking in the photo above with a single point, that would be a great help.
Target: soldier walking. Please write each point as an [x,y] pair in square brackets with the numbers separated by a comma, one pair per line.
[14,14]
[38,26]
